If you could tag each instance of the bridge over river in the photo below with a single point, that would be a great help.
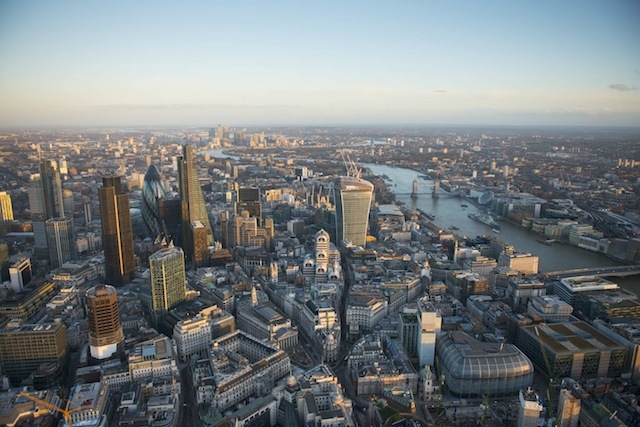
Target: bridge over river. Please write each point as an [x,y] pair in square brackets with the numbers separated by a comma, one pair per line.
[619,271]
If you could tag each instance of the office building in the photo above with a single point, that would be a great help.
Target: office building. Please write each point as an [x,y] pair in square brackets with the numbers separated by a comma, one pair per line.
[353,200]
[430,324]
[20,274]
[248,199]
[474,369]
[61,240]
[569,400]
[549,308]
[199,248]
[168,280]
[152,359]
[524,263]
[572,349]
[45,201]
[152,192]
[568,287]
[192,200]
[105,330]
[241,365]
[529,409]
[90,404]
[6,209]
[24,348]
[117,233]
[170,211]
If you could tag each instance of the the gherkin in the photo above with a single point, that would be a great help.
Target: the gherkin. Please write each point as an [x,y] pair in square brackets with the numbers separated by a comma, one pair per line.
[152,191]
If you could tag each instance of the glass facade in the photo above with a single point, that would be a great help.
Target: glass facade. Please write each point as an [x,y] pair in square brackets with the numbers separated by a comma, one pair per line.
[474,369]
[152,191]
[353,201]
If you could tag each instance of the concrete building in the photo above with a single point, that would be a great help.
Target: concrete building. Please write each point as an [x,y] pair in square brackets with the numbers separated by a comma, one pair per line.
[521,291]
[572,349]
[266,321]
[525,263]
[430,325]
[24,348]
[549,308]
[529,409]
[92,400]
[20,274]
[151,359]
[242,366]
[105,330]
[570,286]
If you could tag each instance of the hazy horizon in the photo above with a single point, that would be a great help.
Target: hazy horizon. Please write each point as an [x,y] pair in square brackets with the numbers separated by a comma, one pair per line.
[411,64]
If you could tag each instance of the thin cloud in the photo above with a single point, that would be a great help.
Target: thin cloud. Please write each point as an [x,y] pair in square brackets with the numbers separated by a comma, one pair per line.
[440,91]
[191,106]
[622,87]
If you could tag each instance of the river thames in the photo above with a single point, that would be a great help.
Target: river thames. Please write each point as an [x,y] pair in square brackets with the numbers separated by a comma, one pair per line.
[448,211]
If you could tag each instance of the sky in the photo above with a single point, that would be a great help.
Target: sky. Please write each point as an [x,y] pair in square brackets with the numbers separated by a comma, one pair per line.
[243,63]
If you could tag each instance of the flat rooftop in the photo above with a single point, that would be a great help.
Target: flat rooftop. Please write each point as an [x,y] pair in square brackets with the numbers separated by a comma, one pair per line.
[572,337]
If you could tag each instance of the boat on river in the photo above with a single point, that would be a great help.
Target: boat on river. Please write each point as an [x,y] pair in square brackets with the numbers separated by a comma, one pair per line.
[485,219]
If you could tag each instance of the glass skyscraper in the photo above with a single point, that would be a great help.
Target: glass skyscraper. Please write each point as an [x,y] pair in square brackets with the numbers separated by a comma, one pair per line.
[193,207]
[168,280]
[353,200]
[152,191]
[61,241]
[117,233]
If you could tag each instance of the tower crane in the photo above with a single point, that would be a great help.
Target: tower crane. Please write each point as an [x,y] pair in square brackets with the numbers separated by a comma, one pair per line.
[66,413]
[551,374]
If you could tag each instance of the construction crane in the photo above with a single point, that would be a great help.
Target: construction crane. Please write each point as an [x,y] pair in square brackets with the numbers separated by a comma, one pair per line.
[551,375]
[66,413]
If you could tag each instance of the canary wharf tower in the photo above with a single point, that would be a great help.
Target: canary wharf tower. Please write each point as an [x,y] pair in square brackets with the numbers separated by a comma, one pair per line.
[193,207]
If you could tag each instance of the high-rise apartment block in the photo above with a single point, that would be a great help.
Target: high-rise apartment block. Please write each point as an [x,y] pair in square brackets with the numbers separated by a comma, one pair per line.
[353,200]
[105,330]
[117,234]
[168,281]
[61,241]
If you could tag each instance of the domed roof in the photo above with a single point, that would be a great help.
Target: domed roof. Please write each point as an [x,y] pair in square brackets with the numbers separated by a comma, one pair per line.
[291,381]
[153,174]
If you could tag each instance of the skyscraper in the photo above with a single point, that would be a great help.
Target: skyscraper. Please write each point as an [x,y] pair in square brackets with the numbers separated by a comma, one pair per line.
[248,199]
[105,330]
[6,209]
[51,187]
[45,201]
[152,192]
[61,241]
[193,207]
[352,199]
[168,280]
[117,234]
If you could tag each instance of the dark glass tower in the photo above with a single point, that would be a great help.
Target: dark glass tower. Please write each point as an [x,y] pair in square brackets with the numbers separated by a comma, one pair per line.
[61,241]
[193,207]
[117,234]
